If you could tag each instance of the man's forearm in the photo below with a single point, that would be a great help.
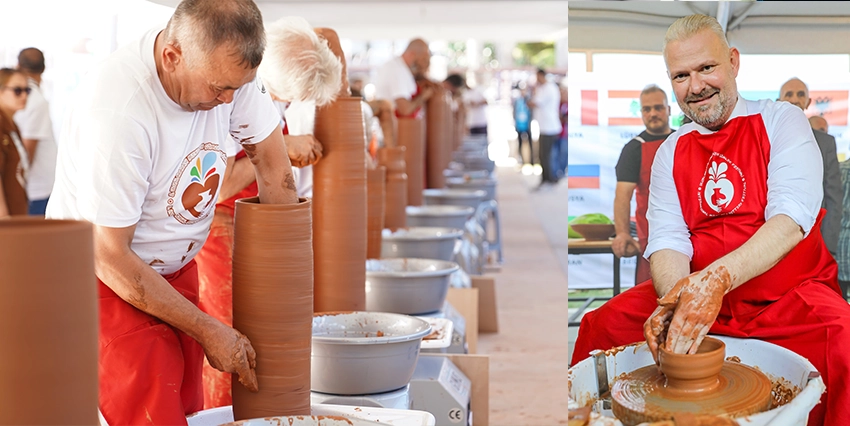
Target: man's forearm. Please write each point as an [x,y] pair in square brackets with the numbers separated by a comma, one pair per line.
[622,206]
[778,236]
[139,285]
[273,169]
[29,147]
[668,266]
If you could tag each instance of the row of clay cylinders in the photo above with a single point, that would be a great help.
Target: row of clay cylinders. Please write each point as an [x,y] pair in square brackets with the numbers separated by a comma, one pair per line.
[439,136]
[459,127]
[411,136]
[395,201]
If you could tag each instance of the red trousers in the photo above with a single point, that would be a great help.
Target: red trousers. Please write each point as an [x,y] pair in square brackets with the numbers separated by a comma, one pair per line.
[215,261]
[811,320]
[149,372]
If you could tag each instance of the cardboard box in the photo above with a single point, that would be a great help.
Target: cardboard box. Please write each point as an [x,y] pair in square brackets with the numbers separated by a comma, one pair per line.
[488,317]
[465,301]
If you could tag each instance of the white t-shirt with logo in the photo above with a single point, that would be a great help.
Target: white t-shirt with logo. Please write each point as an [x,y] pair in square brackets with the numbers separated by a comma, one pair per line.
[794,175]
[394,81]
[129,155]
[34,123]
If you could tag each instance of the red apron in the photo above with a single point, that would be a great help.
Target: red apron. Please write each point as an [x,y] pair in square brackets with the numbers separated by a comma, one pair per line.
[150,372]
[721,181]
[647,155]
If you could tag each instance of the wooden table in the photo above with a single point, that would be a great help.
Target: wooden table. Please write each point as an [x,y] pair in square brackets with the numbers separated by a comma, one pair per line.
[582,246]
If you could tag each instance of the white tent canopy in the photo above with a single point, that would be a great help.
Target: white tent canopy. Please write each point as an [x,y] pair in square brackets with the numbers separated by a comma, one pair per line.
[493,20]
[799,27]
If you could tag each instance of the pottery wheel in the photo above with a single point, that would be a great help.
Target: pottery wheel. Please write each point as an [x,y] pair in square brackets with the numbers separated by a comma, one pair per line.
[641,396]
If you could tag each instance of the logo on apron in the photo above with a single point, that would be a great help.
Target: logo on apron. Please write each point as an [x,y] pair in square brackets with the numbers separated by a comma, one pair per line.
[195,186]
[723,188]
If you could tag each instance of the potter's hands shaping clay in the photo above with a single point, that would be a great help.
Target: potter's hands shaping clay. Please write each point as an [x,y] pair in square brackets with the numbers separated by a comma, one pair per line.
[230,351]
[303,150]
[696,301]
[655,328]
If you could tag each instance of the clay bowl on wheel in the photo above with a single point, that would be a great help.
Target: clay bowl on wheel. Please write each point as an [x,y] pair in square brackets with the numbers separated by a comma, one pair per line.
[693,373]
[594,231]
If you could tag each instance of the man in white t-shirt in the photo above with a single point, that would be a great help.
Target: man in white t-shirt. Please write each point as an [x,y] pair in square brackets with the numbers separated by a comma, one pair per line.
[476,111]
[36,132]
[142,155]
[546,103]
[396,79]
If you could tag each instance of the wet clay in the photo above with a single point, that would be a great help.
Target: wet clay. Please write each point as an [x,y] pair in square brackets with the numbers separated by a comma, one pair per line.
[438,137]
[339,208]
[395,202]
[49,301]
[702,384]
[273,304]
[375,182]
[411,136]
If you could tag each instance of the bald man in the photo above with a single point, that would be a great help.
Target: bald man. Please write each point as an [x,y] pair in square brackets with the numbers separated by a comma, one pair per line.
[797,93]
[819,123]
[396,79]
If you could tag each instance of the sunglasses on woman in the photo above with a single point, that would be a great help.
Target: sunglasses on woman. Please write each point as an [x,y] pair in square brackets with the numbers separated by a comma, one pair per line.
[19,90]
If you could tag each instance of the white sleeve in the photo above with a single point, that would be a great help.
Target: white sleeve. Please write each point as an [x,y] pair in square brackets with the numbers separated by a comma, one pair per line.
[667,228]
[795,170]
[394,83]
[116,146]
[34,120]
[253,116]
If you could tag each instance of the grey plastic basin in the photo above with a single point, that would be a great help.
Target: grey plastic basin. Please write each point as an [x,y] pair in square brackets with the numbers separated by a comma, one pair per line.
[420,243]
[407,286]
[357,353]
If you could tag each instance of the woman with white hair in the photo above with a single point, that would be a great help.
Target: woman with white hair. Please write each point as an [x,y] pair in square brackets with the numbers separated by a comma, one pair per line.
[298,66]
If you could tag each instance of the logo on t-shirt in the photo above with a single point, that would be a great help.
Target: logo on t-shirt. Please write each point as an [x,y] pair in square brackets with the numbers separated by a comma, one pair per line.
[194,190]
[723,188]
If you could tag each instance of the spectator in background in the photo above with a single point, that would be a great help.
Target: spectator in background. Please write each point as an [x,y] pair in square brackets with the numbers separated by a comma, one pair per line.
[476,110]
[36,133]
[356,84]
[559,149]
[13,156]
[396,79]
[522,123]
[843,257]
[797,93]
[819,123]
[545,104]
[633,173]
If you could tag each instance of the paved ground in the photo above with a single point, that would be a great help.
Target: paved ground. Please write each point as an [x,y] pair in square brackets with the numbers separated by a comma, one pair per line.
[528,357]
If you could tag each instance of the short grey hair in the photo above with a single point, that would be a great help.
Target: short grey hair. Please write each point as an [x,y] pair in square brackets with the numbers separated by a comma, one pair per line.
[688,26]
[198,27]
[300,66]
[652,88]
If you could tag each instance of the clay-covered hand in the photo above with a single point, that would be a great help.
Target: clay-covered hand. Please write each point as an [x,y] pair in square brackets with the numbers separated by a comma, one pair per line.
[230,351]
[655,328]
[696,300]
[624,245]
[303,150]
[426,93]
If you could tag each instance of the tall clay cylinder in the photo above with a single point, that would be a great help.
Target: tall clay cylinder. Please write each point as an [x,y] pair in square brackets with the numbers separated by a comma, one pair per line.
[437,133]
[460,127]
[395,201]
[273,304]
[411,136]
[48,297]
[375,184]
[339,208]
